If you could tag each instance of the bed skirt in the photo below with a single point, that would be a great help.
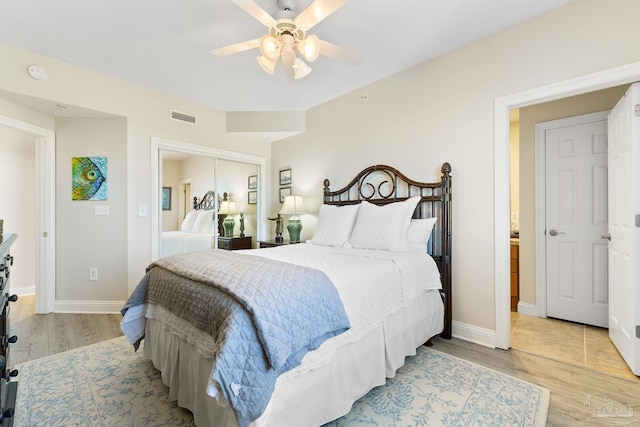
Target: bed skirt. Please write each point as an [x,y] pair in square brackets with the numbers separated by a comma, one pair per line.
[319,395]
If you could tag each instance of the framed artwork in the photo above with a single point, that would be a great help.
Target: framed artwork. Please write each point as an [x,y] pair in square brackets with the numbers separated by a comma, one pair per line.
[166,198]
[252,197]
[284,191]
[253,182]
[285,177]
[89,178]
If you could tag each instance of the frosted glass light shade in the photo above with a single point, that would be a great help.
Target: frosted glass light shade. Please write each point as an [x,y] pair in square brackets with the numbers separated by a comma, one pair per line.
[310,48]
[300,69]
[267,64]
[269,47]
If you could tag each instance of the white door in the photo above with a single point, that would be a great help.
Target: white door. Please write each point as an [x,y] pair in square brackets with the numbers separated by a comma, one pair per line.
[624,249]
[576,219]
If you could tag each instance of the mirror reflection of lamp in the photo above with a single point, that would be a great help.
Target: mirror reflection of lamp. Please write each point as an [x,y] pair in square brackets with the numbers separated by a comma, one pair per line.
[293,205]
[228,209]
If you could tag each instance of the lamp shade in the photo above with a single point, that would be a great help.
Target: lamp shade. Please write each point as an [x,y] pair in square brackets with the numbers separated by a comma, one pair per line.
[292,205]
[228,208]
[267,64]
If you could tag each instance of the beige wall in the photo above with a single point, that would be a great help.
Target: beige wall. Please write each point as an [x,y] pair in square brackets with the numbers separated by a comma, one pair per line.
[171,178]
[147,116]
[443,110]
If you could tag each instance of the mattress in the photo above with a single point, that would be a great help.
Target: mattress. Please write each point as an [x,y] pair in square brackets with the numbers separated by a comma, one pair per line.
[392,301]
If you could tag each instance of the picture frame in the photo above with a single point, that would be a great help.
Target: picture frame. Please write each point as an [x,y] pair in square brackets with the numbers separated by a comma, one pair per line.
[166,198]
[252,183]
[284,191]
[285,177]
[252,197]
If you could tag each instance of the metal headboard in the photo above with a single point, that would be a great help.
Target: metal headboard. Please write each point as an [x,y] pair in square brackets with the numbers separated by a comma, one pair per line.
[382,184]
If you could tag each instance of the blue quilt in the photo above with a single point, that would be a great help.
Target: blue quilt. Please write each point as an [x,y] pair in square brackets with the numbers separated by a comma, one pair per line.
[265,316]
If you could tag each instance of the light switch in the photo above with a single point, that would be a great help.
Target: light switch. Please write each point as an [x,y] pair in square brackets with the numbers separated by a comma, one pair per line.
[102,210]
[142,210]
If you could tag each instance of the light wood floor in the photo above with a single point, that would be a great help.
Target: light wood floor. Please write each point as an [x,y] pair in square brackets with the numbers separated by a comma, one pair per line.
[41,335]
[575,390]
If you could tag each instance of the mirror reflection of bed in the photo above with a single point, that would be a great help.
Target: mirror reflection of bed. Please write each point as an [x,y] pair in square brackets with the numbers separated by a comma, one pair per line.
[197,229]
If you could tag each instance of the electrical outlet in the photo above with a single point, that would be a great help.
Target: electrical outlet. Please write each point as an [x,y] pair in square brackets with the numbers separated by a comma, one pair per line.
[93,273]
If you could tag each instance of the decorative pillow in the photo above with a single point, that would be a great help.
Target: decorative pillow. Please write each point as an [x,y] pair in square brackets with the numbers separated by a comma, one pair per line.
[418,233]
[335,224]
[204,222]
[188,221]
[383,227]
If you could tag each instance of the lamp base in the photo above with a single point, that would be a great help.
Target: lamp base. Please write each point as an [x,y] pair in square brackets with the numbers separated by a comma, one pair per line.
[229,224]
[294,226]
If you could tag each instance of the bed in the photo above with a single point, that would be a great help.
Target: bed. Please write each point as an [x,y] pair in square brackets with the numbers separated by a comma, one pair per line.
[394,299]
[197,230]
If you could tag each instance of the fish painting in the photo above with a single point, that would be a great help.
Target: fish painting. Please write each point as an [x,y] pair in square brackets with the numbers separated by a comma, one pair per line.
[89,178]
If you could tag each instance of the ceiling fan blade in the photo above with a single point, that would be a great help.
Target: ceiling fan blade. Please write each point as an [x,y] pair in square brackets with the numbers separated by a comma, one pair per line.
[256,11]
[316,12]
[235,48]
[339,53]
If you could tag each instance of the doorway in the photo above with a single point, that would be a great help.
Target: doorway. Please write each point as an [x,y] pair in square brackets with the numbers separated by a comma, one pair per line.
[556,91]
[44,234]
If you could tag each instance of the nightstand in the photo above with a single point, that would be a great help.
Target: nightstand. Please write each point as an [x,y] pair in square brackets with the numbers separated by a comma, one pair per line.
[233,243]
[273,243]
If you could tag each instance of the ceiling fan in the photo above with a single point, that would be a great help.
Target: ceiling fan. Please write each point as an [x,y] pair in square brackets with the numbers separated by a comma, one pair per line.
[286,33]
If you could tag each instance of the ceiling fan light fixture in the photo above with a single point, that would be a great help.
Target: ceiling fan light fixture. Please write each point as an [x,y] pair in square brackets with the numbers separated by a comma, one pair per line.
[310,47]
[269,47]
[267,64]
[300,69]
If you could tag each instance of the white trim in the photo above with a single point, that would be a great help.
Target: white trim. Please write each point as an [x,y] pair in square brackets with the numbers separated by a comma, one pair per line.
[482,336]
[24,291]
[89,307]
[158,144]
[45,256]
[540,195]
[527,308]
[579,85]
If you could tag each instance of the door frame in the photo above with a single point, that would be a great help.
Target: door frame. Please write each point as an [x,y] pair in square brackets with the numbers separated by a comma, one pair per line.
[540,197]
[45,245]
[502,222]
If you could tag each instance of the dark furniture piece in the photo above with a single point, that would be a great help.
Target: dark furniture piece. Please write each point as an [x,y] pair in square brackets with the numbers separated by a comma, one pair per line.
[381,185]
[234,243]
[8,388]
[273,243]
[515,274]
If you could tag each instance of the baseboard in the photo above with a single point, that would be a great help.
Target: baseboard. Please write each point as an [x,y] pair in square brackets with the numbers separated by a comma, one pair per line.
[23,290]
[88,307]
[528,309]
[475,334]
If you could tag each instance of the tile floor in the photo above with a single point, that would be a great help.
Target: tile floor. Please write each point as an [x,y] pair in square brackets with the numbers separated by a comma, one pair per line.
[574,343]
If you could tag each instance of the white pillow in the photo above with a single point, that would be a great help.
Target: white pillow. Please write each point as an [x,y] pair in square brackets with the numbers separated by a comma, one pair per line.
[204,222]
[383,227]
[418,233]
[335,224]
[188,221]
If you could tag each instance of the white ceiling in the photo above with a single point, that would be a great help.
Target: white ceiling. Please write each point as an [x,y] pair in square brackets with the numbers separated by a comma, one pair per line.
[165,44]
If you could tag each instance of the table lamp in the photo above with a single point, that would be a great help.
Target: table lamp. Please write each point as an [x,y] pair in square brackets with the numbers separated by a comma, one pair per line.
[293,205]
[229,209]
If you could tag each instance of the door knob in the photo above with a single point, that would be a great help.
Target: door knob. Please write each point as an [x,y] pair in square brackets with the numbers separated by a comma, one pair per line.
[606,236]
[554,233]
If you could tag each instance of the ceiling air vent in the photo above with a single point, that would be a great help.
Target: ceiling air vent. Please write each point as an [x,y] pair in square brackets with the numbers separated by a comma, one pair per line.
[183,117]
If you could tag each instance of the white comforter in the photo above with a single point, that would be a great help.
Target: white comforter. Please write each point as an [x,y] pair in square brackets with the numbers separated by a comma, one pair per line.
[371,283]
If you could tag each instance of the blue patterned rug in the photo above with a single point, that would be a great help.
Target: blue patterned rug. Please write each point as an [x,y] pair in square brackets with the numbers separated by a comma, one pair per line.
[107,384]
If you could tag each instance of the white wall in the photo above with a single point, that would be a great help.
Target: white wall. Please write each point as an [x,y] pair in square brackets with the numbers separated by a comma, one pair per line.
[17,192]
[443,110]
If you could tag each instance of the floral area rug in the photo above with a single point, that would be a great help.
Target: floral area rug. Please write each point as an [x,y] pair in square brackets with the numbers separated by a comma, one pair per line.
[107,384]
[437,389]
